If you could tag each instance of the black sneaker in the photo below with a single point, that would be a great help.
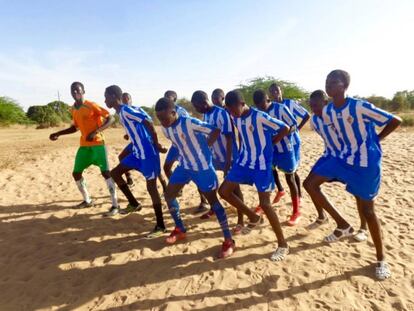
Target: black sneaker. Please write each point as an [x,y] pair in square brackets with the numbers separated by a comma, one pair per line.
[156,232]
[84,204]
[112,212]
[130,182]
[130,209]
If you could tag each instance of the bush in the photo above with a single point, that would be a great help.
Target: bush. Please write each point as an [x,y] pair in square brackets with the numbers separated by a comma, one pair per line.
[11,112]
[52,114]
[407,120]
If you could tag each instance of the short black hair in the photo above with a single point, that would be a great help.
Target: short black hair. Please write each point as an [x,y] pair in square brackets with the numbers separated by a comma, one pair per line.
[126,94]
[233,97]
[164,103]
[114,90]
[342,75]
[318,94]
[171,93]
[77,83]
[259,96]
[199,97]
[274,85]
[217,92]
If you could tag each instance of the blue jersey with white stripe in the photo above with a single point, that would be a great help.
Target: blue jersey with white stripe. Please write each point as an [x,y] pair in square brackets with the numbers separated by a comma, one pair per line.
[298,112]
[282,113]
[142,111]
[189,136]
[257,130]
[132,119]
[182,112]
[355,124]
[220,118]
[330,138]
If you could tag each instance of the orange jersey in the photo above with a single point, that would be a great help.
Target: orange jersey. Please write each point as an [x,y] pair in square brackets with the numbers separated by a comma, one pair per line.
[87,118]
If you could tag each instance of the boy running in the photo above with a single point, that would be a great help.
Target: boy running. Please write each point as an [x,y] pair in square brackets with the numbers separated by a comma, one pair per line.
[144,158]
[298,112]
[224,149]
[359,162]
[91,120]
[258,133]
[284,157]
[192,138]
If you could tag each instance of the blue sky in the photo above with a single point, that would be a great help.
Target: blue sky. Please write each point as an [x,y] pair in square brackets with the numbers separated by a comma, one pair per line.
[147,47]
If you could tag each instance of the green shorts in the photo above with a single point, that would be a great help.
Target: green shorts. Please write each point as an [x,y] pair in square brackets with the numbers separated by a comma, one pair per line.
[91,155]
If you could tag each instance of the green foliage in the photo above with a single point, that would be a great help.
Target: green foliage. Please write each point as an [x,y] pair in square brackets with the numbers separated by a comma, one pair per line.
[379,101]
[407,120]
[11,112]
[185,103]
[50,115]
[289,89]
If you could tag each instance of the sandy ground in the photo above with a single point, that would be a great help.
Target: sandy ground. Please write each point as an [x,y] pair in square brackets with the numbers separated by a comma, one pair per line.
[55,257]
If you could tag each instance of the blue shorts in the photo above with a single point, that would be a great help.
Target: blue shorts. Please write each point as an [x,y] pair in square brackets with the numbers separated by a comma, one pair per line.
[150,168]
[286,161]
[172,155]
[363,182]
[206,180]
[296,149]
[262,179]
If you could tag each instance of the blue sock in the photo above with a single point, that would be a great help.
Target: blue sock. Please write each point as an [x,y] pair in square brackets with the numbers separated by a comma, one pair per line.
[222,219]
[174,208]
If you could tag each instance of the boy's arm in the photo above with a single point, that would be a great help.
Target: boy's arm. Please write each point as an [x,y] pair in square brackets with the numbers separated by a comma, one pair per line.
[390,127]
[213,136]
[107,123]
[150,127]
[229,153]
[302,113]
[283,131]
[70,130]
[304,120]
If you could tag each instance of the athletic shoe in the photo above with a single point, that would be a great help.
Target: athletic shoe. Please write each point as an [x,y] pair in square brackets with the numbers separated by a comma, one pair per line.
[207,215]
[238,229]
[130,182]
[227,249]
[156,232]
[112,212]
[85,204]
[294,219]
[258,210]
[130,209]
[175,235]
[278,196]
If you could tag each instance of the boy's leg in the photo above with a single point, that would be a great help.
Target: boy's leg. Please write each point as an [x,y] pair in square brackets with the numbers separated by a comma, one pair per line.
[116,175]
[156,203]
[171,198]
[83,160]
[124,153]
[294,194]
[238,193]
[322,218]
[313,186]
[298,184]
[362,234]
[163,182]
[277,181]
[226,191]
[219,211]
[112,191]
[368,211]
[282,249]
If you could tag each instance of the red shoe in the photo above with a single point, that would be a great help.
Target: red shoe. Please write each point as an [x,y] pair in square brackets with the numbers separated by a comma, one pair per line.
[207,215]
[227,249]
[278,196]
[176,235]
[238,229]
[258,210]
[294,219]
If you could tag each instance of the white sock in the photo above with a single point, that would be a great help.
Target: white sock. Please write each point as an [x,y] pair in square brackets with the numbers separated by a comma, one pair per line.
[82,188]
[112,191]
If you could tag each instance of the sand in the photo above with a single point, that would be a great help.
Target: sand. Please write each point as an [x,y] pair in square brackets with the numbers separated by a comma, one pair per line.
[55,257]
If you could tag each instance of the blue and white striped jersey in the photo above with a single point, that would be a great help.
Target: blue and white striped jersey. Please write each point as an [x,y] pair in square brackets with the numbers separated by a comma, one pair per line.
[189,136]
[282,113]
[182,112]
[256,131]
[330,138]
[355,124]
[298,112]
[142,111]
[132,119]
[220,118]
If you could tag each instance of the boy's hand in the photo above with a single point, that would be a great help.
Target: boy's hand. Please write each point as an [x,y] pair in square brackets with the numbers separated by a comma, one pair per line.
[53,136]
[161,148]
[91,136]
[126,137]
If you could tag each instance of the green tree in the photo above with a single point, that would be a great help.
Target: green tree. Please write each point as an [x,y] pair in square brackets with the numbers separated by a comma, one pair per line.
[11,112]
[379,101]
[44,116]
[399,102]
[185,103]
[289,89]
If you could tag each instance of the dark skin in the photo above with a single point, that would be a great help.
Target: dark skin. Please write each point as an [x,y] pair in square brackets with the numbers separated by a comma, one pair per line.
[167,118]
[218,99]
[78,95]
[227,188]
[336,88]
[113,102]
[205,107]
[290,178]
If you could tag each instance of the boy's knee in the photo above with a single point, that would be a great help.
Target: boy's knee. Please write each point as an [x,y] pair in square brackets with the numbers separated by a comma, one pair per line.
[223,192]
[368,212]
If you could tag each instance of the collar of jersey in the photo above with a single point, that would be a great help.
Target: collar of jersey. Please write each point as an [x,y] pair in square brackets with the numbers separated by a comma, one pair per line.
[347,100]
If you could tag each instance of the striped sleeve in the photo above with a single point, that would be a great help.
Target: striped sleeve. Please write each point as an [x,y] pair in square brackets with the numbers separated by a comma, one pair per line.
[200,126]
[182,112]
[374,114]
[134,114]
[270,123]
[288,117]
[227,126]
[298,110]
